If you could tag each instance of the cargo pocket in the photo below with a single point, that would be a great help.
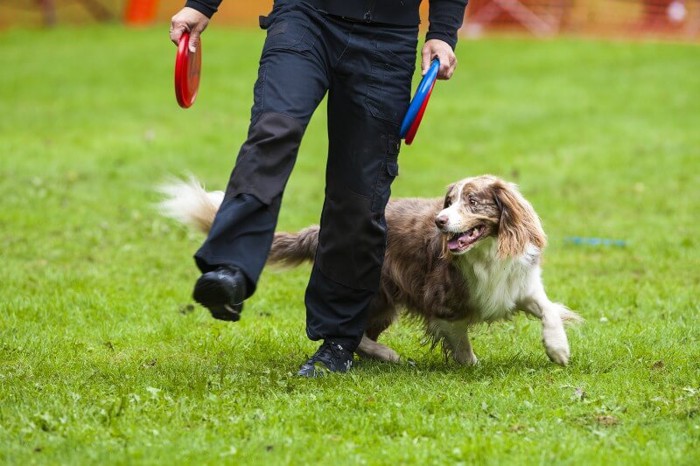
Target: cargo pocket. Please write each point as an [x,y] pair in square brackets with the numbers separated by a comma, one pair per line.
[389,87]
[388,172]
[287,29]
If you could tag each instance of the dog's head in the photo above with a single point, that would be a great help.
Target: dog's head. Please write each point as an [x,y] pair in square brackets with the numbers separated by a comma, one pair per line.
[488,207]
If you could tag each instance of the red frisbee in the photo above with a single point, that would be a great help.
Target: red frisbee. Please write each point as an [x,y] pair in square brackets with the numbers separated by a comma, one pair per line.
[419,117]
[187,68]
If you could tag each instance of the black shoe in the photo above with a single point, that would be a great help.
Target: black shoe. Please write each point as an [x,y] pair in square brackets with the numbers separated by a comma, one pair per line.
[330,357]
[222,291]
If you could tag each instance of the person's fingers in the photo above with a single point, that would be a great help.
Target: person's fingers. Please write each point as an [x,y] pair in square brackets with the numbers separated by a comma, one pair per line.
[176,31]
[426,57]
[448,63]
[445,66]
[441,50]
[188,20]
[194,41]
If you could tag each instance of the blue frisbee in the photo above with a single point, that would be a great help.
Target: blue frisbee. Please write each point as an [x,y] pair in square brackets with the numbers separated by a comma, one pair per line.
[420,99]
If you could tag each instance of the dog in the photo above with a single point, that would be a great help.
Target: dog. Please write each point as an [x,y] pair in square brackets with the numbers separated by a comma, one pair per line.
[470,257]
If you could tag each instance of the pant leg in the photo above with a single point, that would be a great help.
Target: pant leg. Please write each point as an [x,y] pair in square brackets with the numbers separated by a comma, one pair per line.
[369,94]
[292,80]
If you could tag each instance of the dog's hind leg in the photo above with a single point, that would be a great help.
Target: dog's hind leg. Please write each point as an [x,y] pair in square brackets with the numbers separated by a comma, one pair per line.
[371,349]
[552,315]
[455,339]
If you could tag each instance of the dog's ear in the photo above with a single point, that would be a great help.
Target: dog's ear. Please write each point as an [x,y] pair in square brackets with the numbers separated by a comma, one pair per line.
[518,224]
[448,193]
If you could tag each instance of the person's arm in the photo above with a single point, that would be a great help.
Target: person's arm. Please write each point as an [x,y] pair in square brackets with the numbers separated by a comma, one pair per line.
[446,17]
[206,7]
[194,18]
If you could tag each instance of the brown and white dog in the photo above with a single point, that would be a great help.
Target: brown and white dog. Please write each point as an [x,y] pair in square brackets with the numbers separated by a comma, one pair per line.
[470,257]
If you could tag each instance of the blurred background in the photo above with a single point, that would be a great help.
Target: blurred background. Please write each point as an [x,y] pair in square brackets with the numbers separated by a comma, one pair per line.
[591,106]
[676,19]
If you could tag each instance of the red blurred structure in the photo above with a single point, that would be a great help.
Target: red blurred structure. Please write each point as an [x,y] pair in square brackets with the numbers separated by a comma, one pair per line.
[548,17]
[541,18]
[664,13]
[140,12]
[678,19]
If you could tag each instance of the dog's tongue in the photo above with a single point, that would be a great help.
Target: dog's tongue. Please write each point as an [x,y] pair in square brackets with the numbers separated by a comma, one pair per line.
[463,240]
[454,244]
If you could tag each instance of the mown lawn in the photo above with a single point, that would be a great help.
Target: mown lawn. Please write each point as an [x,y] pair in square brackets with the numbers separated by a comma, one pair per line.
[105,360]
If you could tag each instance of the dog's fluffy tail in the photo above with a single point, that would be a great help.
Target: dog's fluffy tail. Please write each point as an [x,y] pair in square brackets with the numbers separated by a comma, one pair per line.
[189,203]
[291,249]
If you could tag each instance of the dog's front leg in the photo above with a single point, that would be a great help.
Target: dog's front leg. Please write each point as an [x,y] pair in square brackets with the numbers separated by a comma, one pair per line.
[455,339]
[552,315]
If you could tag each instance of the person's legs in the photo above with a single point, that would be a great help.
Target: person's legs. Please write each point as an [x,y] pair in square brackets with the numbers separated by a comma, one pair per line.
[369,94]
[292,80]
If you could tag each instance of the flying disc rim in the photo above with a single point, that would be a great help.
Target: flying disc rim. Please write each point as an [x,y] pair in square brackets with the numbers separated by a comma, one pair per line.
[420,98]
[187,72]
[411,134]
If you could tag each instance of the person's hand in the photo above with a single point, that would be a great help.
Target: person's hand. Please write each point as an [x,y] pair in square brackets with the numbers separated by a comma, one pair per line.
[436,48]
[188,20]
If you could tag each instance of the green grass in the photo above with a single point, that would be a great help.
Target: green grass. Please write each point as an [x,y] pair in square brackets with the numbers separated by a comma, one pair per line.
[103,359]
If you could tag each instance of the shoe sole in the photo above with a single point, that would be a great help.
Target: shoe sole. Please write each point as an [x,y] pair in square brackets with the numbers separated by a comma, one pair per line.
[217,299]
[319,369]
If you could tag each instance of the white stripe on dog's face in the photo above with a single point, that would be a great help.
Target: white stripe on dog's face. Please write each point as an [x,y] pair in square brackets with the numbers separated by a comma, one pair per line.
[453,212]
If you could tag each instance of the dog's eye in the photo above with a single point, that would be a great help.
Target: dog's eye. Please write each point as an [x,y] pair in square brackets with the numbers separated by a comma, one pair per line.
[473,202]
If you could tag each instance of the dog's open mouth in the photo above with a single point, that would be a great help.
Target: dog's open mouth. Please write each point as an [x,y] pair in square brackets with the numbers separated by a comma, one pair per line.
[460,242]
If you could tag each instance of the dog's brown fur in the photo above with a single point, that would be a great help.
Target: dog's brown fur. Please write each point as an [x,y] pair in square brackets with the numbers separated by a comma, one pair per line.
[448,278]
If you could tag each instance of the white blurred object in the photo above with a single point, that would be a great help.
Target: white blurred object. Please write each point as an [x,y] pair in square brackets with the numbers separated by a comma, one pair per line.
[473,30]
[676,11]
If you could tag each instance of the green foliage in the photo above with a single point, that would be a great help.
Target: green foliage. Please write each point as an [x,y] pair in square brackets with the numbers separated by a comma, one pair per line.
[104,359]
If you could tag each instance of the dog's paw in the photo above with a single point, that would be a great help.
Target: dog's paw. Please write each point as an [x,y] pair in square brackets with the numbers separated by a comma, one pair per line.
[556,345]
[372,350]
[466,358]
[559,355]
[388,355]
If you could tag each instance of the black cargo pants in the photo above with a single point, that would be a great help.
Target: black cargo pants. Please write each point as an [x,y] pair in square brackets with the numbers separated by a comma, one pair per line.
[366,70]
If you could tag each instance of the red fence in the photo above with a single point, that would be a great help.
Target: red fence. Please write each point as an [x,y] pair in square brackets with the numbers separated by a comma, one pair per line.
[618,17]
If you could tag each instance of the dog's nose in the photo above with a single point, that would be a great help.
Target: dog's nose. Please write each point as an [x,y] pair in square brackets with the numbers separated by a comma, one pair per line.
[441,221]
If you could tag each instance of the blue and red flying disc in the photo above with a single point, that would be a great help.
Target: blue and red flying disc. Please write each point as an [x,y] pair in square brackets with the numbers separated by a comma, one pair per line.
[416,110]
[187,69]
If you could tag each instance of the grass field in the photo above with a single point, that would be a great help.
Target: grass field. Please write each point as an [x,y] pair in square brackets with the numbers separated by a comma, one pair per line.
[104,359]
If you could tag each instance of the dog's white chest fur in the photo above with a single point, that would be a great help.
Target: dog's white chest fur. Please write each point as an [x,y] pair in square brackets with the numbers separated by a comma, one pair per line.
[497,285]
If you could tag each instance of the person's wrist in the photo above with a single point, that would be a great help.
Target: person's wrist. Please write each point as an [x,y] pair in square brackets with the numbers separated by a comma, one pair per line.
[202,8]
[449,40]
